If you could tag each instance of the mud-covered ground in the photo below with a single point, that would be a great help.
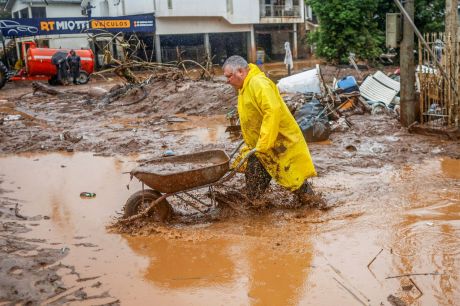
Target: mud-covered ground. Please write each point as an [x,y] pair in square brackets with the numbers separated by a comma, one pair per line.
[170,118]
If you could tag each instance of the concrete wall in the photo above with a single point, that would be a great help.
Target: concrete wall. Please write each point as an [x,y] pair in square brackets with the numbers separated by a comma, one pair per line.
[139,6]
[193,25]
[120,7]
[235,11]
[63,10]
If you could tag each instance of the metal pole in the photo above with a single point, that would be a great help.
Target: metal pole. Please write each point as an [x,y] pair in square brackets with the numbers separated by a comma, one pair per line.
[294,42]
[408,19]
[452,29]
[158,48]
[252,45]
[407,101]
[452,19]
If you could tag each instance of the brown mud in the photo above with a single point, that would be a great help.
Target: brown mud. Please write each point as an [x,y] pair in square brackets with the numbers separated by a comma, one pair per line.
[391,230]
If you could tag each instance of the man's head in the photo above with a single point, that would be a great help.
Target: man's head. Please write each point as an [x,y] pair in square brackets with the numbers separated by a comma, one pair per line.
[72,52]
[235,70]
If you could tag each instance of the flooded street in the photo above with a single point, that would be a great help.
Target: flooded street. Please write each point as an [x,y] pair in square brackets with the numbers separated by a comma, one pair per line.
[390,234]
[408,217]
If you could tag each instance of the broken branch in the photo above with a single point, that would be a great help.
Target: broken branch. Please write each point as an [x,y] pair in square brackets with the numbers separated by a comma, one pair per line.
[415,285]
[349,291]
[373,259]
[413,274]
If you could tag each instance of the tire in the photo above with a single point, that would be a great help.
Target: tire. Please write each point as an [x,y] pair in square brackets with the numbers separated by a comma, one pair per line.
[83,78]
[3,75]
[162,212]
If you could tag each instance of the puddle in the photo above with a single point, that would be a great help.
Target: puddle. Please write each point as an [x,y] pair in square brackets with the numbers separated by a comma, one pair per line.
[202,130]
[282,258]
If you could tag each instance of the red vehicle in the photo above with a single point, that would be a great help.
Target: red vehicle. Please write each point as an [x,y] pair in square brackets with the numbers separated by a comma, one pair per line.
[38,65]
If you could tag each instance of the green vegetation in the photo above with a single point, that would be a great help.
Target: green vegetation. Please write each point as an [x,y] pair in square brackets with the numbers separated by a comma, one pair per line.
[358,26]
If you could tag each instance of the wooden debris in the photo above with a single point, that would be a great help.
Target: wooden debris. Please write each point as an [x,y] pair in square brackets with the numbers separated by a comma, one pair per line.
[373,259]
[349,291]
[395,301]
[38,86]
[413,274]
[17,214]
[421,293]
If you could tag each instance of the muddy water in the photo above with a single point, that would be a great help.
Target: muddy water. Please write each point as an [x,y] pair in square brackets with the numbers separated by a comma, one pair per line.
[204,131]
[408,217]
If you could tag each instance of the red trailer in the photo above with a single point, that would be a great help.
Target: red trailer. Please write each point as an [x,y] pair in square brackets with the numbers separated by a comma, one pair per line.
[38,65]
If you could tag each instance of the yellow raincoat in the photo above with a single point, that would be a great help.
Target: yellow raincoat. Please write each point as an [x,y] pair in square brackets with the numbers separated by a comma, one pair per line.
[268,126]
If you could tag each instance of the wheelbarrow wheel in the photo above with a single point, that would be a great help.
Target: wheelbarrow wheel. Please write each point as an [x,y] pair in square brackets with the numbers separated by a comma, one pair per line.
[134,205]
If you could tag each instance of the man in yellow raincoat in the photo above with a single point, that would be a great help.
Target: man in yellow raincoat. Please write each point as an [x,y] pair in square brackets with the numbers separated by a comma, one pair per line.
[268,127]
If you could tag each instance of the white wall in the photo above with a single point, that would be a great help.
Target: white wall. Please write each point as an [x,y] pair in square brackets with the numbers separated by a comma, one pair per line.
[134,7]
[244,11]
[120,7]
[63,10]
[17,6]
[193,25]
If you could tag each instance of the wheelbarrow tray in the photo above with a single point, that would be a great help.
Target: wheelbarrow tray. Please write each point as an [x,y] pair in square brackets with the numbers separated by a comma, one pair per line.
[182,172]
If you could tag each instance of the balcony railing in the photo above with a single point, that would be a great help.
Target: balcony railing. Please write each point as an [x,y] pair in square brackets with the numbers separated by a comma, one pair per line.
[280,11]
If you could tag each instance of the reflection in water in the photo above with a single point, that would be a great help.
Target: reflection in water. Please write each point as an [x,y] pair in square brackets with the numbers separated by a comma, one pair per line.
[176,264]
[451,168]
[277,277]
[427,238]
[272,274]
[60,215]
[281,258]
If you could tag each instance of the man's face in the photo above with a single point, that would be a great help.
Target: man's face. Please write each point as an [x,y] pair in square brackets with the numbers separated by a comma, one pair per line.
[235,78]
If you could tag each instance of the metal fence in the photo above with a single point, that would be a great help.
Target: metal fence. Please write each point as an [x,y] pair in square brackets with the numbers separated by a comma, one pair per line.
[439,85]
[196,53]
[279,11]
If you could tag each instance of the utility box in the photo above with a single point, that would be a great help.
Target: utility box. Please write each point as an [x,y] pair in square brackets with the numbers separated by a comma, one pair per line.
[393,30]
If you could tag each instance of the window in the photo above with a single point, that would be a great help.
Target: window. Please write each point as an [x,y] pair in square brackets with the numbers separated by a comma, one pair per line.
[38,12]
[170,4]
[24,13]
[16,14]
[43,43]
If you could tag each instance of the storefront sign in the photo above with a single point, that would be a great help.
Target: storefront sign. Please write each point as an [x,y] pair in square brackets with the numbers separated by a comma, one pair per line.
[20,27]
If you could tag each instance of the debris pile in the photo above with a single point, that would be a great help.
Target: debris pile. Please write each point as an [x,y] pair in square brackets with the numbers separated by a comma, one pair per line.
[320,108]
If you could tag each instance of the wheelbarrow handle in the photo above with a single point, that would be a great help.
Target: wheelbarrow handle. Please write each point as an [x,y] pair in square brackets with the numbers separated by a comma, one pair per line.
[244,159]
[236,149]
[234,170]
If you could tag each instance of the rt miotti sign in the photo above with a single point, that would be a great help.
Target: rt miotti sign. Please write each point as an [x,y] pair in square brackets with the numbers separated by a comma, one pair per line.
[46,26]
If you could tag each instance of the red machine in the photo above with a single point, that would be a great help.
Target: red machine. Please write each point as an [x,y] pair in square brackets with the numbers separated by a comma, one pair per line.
[38,65]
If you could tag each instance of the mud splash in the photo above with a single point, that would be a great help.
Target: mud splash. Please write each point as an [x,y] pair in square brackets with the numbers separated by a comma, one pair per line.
[282,257]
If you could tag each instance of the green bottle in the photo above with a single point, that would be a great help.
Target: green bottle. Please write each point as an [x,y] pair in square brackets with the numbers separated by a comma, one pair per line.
[87,194]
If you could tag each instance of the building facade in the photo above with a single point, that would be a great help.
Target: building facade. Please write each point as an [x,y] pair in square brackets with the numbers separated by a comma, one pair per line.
[218,28]
[185,29]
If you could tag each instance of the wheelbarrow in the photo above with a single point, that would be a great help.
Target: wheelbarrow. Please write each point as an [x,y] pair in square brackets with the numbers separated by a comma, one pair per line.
[178,176]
